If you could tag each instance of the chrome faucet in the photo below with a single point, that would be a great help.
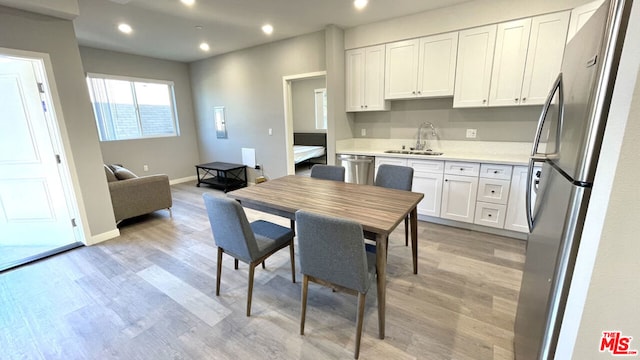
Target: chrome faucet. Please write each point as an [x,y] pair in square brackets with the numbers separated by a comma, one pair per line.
[419,143]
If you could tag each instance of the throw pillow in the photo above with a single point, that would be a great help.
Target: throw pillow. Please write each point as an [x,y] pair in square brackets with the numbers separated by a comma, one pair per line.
[123,173]
[109,173]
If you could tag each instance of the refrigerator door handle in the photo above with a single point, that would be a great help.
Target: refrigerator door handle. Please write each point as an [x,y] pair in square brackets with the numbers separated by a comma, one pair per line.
[529,191]
[557,86]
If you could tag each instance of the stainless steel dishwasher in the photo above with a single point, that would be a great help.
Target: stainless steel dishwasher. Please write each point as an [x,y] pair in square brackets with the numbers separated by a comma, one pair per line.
[359,168]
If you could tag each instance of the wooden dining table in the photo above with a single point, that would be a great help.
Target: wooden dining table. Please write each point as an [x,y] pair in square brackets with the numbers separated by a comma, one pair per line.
[379,210]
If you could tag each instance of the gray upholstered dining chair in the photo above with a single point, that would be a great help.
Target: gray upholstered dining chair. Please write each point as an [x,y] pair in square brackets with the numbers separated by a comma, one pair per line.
[399,178]
[250,243]
[328,172]
[332,253]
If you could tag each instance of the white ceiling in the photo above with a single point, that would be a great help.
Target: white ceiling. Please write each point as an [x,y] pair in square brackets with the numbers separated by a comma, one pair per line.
[166,29]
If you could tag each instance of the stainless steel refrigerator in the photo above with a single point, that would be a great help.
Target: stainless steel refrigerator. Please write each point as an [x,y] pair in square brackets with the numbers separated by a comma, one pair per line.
[567,145]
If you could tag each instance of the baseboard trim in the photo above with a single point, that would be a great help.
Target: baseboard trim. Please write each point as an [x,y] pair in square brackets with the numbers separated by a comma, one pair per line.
[182,180]
[474,227]
[95,239]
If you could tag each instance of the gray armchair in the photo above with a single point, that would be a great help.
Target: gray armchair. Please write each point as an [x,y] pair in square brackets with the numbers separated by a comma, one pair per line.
[250,243]
[332,253]
[134,196]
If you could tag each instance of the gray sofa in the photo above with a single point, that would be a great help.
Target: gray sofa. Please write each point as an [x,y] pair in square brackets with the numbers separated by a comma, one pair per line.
[133,196]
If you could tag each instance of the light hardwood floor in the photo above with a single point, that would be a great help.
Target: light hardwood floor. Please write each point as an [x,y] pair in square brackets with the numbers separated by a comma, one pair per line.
[150,294]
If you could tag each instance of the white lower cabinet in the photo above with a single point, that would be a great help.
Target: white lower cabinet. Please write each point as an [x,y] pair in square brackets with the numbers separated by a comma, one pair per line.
[427,179]
[459,191]
[493,194]
[516,217]
[485,194]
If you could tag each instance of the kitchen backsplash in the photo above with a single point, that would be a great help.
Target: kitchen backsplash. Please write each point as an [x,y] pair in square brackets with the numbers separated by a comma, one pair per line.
[492,124]
[448,146]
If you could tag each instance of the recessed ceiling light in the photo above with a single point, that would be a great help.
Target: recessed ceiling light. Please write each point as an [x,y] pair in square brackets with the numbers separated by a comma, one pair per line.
[267,29]
[188,2]
[360,4]
[125,28]
[204,46]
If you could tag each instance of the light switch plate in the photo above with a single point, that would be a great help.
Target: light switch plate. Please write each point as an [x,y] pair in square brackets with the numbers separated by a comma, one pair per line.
[471,133]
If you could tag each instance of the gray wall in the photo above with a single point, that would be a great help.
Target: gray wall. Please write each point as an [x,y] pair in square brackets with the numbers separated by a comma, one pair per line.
[40,33]
[493,124]
[303,103]
[248,83]
[174,156]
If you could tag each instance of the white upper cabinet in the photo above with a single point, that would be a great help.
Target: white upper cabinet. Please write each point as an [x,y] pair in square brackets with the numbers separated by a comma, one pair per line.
[544,58]
[508,64]
[473,68]
[527,59]
[580,15]
[401,69]
[437,65]
[365,79]
[421,67]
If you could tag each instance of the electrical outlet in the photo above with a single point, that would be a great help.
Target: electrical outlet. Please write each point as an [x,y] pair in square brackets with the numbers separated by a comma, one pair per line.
[471,133]
[363,132]
[145,167]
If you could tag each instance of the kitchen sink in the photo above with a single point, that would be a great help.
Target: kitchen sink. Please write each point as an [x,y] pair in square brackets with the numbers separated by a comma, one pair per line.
[414,152]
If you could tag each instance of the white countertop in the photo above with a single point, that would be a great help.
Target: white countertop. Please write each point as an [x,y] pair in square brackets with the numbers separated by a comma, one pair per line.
[473,151]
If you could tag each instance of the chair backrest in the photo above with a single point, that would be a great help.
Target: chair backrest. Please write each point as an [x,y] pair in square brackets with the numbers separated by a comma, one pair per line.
[332,249]
[230,227]
[328,172]
[395,177]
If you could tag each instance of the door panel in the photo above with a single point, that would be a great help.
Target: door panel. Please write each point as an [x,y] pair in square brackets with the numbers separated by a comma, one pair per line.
[33,207]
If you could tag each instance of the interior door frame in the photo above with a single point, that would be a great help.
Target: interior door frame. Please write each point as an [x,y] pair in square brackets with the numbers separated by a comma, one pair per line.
[43,69]
[288,112]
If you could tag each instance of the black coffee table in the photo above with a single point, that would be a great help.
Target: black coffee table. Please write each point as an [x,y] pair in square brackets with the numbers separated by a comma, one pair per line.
[222,175]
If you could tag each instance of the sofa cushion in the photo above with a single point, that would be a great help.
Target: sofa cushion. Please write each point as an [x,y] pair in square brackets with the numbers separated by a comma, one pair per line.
[123,173]
[109,173]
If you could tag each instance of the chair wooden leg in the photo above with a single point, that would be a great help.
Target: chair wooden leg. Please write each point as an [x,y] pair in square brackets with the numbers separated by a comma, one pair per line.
[235,264]
[359,318]
[219,272]
[406,231]
[293,226]
[293,262]
[303,312]
[252,268]
[263,265]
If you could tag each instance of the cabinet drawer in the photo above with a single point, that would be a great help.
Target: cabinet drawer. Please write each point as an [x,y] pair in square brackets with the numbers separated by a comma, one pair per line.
[390,161]
[426,166]
[461,168]
[490,214]
[495,171]
[493,190]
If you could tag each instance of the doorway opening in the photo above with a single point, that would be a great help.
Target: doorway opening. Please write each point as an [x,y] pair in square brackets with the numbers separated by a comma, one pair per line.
[37,203]
[305,112]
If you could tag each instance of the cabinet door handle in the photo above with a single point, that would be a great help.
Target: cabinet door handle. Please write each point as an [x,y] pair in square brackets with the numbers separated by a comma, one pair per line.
[489,215]
[524,99]
[366,106]
[461,169]
[446,179]
[516,100]
[413,92]
[419,92]
[484,101]
[495,171]
[493,191]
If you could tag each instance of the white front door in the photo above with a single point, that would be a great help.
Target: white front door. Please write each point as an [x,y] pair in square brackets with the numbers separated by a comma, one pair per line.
[33,207]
